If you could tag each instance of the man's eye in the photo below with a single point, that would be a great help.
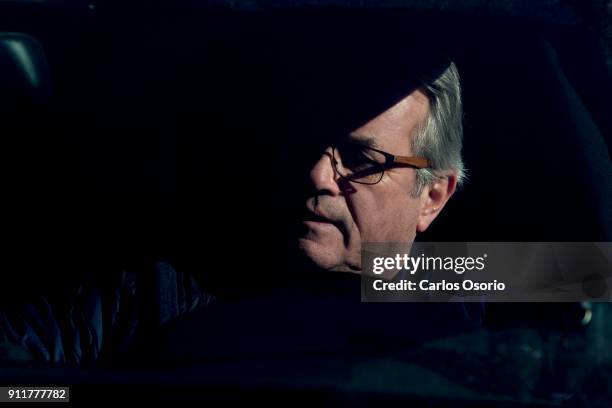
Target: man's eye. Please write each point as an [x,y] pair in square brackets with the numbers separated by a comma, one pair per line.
[357,160]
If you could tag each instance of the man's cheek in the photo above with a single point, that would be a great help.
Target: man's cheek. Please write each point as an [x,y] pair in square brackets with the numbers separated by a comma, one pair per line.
[368,215]
[395,226]
[374,229]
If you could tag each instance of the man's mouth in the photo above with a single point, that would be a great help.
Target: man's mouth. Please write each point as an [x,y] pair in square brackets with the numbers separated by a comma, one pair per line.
[311,216]
[315,218]
[315,225]
[312,213]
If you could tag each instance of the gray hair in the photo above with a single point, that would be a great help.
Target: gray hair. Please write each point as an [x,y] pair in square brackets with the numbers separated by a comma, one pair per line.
[439,138]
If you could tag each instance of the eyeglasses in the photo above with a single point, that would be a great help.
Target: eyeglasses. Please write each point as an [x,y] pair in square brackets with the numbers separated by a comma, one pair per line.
[365,165]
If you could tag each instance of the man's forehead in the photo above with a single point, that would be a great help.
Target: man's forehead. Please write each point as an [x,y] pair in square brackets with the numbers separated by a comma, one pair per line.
[395,124]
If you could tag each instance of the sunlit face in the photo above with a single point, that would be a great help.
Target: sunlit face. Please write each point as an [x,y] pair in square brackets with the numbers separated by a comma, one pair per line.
[346,214]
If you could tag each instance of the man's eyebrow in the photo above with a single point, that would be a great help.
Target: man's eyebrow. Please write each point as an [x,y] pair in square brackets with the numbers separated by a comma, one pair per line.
[363,140]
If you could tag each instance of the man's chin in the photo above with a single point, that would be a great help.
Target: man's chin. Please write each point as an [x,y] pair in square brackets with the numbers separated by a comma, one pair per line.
[318,254]
[322,257]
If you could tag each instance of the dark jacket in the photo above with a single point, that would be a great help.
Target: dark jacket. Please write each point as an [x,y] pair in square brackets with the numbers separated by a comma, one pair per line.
[120,320]
[94,322]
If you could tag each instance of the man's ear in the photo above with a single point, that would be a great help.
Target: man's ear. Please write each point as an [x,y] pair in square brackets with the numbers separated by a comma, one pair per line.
[433,198]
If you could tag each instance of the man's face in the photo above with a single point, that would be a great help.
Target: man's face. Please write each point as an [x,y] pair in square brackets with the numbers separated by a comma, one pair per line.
[343,215]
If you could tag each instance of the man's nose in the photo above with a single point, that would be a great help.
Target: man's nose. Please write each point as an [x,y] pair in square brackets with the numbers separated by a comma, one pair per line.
[323,176]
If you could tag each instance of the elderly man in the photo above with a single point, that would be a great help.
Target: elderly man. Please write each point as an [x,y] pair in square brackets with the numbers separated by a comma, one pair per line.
[385,182]
[389,178]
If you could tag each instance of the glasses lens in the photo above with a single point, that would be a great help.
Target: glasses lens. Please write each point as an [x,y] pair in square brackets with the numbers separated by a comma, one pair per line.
[358,163]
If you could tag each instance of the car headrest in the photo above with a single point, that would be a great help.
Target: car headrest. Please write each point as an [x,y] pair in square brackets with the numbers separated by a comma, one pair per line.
[539,167]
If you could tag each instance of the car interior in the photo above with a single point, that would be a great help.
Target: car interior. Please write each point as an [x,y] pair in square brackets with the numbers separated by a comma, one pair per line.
[185,130]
